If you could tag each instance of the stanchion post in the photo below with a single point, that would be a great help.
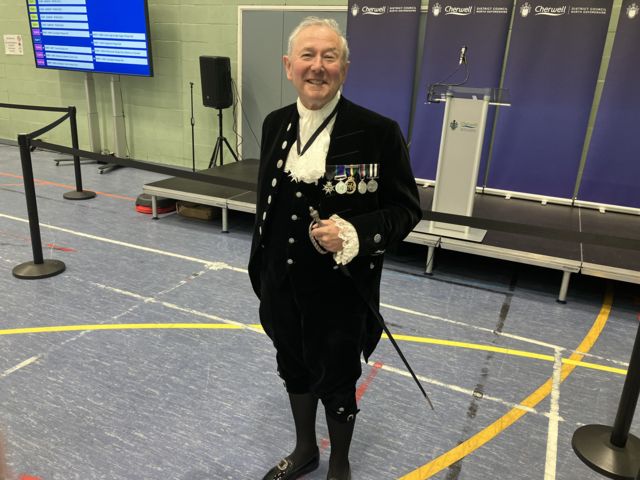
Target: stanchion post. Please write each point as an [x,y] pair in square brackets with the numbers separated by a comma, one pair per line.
[628,399]
[613,451]
[39,268]
[78,194]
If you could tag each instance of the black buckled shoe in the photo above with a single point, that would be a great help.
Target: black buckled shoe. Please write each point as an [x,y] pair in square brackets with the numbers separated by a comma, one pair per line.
[287,470]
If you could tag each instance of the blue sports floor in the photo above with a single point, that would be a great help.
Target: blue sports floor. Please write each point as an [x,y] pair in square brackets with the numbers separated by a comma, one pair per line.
[145,360]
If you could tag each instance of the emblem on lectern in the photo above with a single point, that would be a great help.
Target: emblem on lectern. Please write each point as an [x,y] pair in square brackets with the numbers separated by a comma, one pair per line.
[525,9]
[355,9]
[453,125]
[633,10]
[436,9]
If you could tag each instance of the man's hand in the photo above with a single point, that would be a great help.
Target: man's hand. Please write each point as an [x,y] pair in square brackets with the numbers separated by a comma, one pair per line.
[326,234]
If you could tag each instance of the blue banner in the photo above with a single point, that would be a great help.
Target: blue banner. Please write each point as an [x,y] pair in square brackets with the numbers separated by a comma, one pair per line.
[612,170]
[482,27]
[554,57]
[383,42]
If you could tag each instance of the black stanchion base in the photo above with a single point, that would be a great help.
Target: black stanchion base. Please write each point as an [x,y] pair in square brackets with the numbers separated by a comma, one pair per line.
[592,444]
[34,271]
[75,195]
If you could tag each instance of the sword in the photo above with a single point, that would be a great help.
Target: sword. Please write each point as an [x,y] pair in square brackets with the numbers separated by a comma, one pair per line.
[316,219]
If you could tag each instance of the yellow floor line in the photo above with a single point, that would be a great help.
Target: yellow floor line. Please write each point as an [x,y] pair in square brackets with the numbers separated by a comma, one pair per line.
[227,326]
[479,439]
[124,326]
[507,351]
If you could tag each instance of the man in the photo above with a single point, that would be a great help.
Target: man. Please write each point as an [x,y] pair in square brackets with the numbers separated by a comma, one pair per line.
[318,276]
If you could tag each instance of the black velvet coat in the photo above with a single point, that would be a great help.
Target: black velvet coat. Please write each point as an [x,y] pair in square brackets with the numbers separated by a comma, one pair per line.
[359,136]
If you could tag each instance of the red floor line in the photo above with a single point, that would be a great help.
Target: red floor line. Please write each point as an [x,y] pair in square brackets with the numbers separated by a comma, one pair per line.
[360,391]
[62,249]
[364,385]
[70,187]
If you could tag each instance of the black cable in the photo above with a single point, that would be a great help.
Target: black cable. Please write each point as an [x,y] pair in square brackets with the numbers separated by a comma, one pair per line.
[245,115]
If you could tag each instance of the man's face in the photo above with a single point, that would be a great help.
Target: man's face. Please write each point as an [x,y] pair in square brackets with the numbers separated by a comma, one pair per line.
[316,67]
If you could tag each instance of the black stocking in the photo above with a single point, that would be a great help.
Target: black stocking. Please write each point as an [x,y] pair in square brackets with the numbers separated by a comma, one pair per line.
[340,436]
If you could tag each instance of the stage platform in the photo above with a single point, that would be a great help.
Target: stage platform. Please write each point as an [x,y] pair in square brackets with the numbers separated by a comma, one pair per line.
[564,256]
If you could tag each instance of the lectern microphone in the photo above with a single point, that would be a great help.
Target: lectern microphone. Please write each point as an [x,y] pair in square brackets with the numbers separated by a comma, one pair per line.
[463,55]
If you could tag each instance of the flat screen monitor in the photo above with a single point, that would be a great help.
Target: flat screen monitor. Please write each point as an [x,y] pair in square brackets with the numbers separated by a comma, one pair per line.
[101,36]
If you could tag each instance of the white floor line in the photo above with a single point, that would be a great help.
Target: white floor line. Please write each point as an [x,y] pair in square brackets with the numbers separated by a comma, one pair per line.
[173,306]
[17,367]
[210,264]
[554,415]
[457,389]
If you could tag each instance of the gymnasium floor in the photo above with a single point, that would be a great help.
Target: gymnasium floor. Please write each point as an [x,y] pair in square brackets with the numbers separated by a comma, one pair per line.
[145,360]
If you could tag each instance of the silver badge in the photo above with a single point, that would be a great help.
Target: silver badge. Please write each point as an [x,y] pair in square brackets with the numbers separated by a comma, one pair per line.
[328,188]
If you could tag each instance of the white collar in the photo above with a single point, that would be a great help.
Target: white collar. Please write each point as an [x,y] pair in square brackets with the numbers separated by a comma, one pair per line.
[320,114]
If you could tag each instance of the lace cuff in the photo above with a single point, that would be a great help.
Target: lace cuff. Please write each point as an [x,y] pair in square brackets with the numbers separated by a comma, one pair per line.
[350,242]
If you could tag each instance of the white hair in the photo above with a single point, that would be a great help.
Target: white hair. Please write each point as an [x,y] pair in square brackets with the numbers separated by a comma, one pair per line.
[320,22]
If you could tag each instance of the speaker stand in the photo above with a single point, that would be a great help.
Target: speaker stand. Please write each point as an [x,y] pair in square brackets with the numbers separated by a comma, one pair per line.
[220,142]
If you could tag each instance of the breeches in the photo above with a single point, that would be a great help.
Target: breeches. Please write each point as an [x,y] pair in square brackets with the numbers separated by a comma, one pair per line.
[318,330]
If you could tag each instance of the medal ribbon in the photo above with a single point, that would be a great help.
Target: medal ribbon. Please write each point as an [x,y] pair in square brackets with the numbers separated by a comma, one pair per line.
[315,134]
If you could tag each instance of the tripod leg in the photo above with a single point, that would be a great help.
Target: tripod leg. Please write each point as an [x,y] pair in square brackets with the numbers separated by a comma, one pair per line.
[218,148]
[230,149]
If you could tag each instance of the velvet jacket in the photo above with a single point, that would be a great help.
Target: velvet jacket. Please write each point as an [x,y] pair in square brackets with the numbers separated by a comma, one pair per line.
[380,218]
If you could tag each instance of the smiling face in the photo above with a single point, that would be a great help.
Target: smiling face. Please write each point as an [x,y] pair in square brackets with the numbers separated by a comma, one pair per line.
[316,65]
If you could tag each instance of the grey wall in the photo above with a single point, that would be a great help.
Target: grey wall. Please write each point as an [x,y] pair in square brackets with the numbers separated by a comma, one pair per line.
[264,85]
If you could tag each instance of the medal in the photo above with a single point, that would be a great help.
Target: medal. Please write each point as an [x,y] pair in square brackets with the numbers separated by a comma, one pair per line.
[372,186]
[351,185]
[328,187]
[341,176]
[362,186]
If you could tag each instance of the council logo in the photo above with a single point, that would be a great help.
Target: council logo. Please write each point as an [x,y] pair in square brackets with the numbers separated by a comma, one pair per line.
[436,9]
[355,9]
[525,9]
[633,10]
[454,125]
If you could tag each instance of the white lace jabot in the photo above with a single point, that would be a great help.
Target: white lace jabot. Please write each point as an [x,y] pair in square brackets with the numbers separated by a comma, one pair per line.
[309,168]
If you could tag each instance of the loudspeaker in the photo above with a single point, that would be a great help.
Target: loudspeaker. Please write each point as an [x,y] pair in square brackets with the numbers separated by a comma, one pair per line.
[215,76]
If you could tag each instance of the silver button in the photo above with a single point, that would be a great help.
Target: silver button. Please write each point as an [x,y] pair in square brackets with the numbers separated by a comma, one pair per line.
[292,240]
[335,267]
[377,238]
[294,217]
[284,144]
[372,266]
[280,163]
[264,215]
[269,200]
[289,261]
[299,194]
[341,409]
[260,230]
[288,127]
[274,182]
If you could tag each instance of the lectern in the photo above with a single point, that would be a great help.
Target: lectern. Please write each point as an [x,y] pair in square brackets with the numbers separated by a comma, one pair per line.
[463,127]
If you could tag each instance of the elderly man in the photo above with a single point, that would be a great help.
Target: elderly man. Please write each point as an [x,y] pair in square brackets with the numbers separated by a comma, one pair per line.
[335,188]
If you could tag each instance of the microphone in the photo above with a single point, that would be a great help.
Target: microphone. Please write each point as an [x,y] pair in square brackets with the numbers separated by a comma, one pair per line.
[463,55]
